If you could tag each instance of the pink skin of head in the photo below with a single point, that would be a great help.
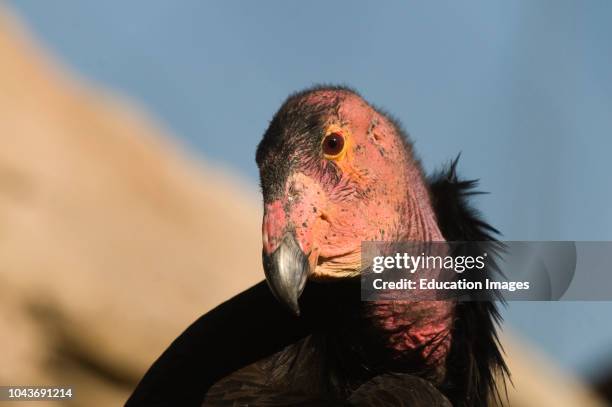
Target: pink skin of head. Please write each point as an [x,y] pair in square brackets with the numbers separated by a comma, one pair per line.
[381,196]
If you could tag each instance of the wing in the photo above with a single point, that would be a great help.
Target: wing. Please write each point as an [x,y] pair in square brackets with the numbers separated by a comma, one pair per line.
[398,390]
[476,355]
[254,385]
[235,334]
[299,375]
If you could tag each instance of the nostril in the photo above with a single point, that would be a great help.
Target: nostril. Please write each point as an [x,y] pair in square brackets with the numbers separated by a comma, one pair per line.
[324,217]
[274,225]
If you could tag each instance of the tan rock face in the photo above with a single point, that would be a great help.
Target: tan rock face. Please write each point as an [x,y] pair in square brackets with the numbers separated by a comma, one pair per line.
[112,241]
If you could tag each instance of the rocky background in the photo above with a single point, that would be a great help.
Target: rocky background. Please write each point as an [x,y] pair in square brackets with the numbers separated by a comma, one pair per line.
[112,239]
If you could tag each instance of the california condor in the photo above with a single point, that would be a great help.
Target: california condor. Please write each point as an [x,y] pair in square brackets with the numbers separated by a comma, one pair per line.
[336,171]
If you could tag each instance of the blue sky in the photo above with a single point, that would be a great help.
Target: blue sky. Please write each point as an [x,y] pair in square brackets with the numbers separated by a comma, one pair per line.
[523,89]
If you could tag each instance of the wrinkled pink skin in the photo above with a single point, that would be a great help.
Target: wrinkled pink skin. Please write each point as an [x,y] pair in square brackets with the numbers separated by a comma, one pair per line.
[381,196]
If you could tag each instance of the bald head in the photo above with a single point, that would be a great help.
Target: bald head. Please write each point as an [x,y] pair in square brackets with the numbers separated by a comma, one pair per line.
[336,171]
[296,133]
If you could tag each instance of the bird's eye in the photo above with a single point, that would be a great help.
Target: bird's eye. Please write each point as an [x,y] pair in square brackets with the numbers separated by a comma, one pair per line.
[333,145]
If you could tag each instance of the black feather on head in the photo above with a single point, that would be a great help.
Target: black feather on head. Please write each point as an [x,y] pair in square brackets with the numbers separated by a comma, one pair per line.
[295,130]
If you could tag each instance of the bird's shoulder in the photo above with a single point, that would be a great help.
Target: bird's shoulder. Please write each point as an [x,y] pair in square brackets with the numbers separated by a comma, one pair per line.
[291,377]
[398,390]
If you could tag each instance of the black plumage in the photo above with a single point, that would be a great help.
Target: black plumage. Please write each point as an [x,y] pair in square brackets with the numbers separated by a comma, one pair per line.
[259,354]
[476,359]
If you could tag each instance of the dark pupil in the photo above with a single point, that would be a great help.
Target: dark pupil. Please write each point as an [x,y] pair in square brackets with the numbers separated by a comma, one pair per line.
[333,144]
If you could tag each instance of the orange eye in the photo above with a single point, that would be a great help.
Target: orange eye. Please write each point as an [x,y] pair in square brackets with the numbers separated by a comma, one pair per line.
[333,145]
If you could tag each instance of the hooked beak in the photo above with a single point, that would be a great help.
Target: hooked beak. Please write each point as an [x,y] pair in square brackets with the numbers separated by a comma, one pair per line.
[286,271]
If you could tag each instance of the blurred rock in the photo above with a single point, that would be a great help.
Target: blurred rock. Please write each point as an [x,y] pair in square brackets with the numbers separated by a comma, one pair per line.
[112,240]
[537,381]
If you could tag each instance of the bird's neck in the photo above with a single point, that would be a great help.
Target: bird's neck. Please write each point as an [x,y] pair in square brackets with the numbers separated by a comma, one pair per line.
[420,223]
[416,330]
[413,333]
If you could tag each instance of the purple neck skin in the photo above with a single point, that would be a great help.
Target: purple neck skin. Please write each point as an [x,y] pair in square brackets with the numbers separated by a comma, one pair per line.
[415,330]
[419,329]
